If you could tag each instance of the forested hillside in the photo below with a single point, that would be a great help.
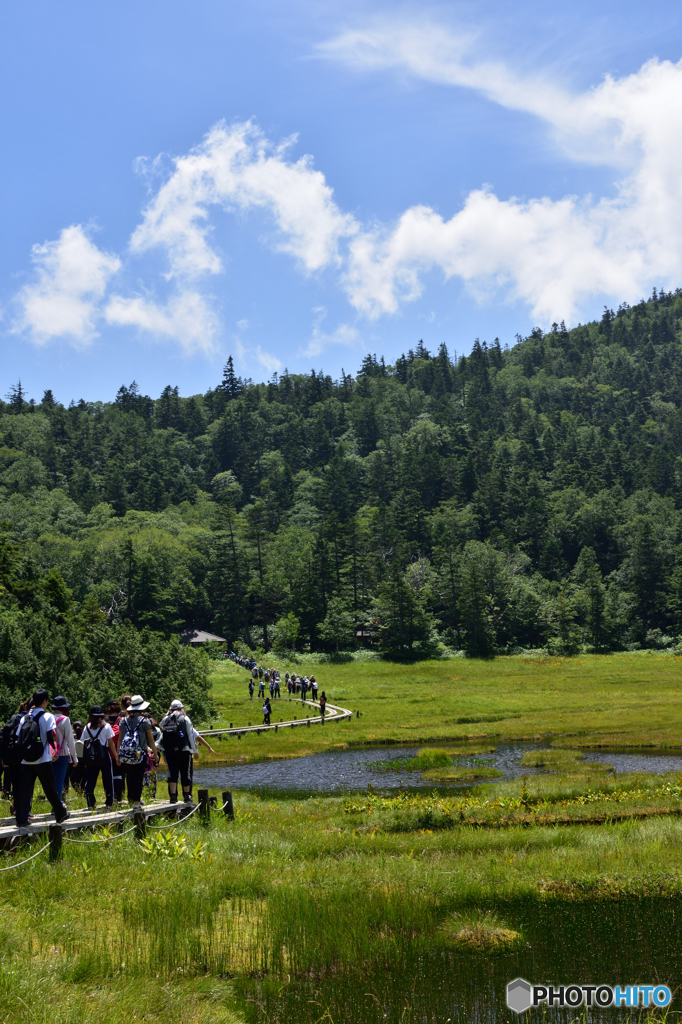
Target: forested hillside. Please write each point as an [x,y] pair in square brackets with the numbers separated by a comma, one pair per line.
[529,497]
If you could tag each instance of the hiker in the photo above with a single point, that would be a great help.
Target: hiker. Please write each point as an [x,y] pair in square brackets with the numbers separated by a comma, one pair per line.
[114,716]
[179,739]
[65,745]
[150,775]
[261,687]
[267,711]
[99,755]
[271,685]
[35,733]
[251,689]
[313,687]
[10,756]
[260,671]
[323,705]
[277,692]
[134,739]
[304,688]
[77,773]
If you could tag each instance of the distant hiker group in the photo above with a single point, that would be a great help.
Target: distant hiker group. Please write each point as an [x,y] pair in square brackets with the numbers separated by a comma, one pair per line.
[270,679]
[120,743]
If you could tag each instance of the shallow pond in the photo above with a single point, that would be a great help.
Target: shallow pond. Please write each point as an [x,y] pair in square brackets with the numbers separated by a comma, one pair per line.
[609,942]
[384,768]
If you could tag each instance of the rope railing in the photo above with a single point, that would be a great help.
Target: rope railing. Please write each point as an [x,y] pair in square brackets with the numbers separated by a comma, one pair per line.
[33,857]
[179,821]
[96,840]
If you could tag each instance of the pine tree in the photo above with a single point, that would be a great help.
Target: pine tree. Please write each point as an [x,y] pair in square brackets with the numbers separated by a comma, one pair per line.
[231,384]
[16,397]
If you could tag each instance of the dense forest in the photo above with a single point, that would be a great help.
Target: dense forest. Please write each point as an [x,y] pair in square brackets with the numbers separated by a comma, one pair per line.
[529,497]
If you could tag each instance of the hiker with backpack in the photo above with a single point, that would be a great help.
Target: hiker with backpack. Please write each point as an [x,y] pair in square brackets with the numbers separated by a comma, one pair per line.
[267,711]
[64,753]
[11,757]
[77,773]
[313,687]
[261,686]
[35,733]
[99,755]
[114,716]
[178,747]
[304,688]
[135,738]
[251,689]
[323,705]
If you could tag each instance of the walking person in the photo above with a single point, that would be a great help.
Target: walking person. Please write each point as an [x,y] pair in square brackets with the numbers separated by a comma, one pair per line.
[313,687]
[135,738]
[179,739]
[277,692]
[65,744]
[323,705]
[35,734]
[251,689]
[114,716]
[267,711]
[99,755]
[11,757]
[77,773]
[261,687]
[304,688]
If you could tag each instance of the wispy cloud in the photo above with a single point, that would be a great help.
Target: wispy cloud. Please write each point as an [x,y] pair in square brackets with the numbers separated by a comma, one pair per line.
[187,318]
[71,276]
[321,340]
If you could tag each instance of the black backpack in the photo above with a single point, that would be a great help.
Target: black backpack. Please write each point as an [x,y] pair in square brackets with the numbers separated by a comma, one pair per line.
[174,729]
[9,741]
[30,746]
[93,751]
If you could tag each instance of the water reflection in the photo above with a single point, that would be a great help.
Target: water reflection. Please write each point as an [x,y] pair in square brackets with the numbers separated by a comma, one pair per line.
[357,768]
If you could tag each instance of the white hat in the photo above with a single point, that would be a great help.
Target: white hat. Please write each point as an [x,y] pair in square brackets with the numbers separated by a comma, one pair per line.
[138,703]
[177,705]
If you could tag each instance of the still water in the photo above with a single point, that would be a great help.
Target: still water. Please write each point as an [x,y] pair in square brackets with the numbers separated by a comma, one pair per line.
[611,942]
[384,768]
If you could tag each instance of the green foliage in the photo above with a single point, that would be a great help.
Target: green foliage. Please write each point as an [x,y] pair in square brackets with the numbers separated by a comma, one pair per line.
[498,475]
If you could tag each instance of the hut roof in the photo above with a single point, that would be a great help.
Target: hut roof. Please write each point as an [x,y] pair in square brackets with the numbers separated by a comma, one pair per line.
[199,636]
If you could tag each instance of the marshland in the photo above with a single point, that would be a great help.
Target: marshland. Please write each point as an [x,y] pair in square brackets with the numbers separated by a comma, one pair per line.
[413,904]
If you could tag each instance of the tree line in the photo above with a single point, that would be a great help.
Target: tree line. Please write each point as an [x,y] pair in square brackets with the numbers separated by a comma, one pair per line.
[525,497]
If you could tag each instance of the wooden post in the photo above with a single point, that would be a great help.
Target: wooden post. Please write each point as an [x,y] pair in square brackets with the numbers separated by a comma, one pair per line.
[55,835]
[140,819]
[205,810]
[228,805]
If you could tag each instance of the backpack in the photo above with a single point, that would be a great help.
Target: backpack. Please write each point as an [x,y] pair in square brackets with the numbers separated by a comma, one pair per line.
[93,751]
[174,729]
[130,751]
[10,741]
[31,746]
[56,746]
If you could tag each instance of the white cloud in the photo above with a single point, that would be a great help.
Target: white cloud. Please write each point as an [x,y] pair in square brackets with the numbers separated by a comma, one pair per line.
[237,168]
[271,363]
[71,278]
[186,318]
[552,254]
[321,340]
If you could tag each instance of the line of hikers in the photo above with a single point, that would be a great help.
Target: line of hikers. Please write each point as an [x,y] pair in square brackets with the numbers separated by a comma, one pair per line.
[119,742]
[271,678]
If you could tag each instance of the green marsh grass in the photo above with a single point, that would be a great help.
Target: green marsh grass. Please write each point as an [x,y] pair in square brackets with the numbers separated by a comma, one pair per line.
[618,700]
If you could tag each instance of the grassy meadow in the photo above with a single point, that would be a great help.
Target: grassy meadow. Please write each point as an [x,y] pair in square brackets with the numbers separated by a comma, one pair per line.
[193,924]
[166,929]
[616,700]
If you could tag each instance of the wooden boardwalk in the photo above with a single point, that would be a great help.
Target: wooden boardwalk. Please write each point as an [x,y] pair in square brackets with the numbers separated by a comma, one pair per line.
[86,818]
[333,714]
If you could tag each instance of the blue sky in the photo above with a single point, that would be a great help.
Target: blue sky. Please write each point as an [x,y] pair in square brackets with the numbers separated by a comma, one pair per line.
[300,183]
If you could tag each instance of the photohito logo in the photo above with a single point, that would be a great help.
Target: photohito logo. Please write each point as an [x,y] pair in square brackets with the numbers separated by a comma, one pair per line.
[522,996]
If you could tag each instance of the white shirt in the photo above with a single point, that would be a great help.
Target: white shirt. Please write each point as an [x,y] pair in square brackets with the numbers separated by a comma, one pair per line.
[65,740]
[46,723]
[104,734]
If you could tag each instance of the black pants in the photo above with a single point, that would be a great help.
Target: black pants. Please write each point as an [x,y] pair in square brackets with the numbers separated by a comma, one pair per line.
[29,774]
[118,781]
[179,763]
[134,777]
[91,775]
